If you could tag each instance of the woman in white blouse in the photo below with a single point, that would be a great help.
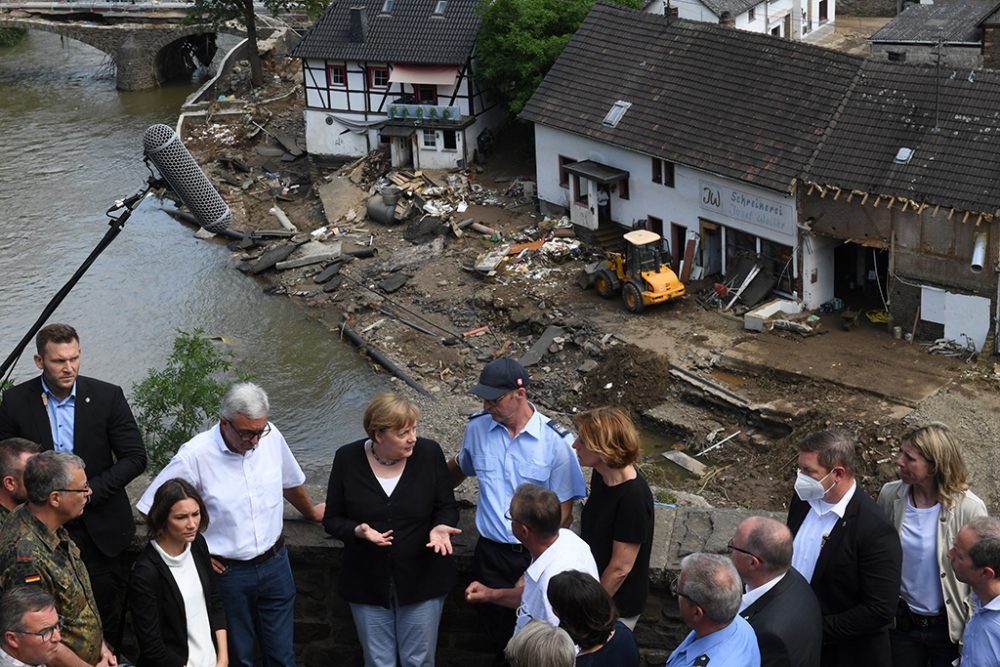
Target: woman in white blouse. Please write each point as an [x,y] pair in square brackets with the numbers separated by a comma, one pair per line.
[177,614]
[929,505]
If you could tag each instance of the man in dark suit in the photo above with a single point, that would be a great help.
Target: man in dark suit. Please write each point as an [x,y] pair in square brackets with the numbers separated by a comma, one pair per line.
[778,603]
[64,411]
[847,550]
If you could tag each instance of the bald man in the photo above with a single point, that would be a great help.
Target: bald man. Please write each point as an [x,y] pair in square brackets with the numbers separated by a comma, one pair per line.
[778,603]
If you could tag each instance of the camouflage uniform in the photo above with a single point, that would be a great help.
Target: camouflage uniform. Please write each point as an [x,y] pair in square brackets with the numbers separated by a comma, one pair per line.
[31,553]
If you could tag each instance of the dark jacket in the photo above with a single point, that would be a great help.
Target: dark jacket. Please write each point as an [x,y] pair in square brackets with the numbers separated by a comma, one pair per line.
[158,608]
[105,436]
[856,581]
[422,499]
[788,623]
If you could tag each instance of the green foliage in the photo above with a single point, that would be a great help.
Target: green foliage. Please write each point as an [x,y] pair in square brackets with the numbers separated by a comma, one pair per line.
[519,40]
[11,36]
[173,404]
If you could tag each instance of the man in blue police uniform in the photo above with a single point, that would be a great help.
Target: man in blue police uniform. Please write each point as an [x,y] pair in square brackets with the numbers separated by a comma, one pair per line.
[508,444]
[709,593]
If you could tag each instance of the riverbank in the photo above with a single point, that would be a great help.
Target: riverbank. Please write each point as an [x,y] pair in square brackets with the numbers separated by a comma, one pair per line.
[421,303]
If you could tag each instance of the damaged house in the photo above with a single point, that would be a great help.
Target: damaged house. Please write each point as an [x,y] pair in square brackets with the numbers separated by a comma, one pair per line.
[877,184]
[397,72]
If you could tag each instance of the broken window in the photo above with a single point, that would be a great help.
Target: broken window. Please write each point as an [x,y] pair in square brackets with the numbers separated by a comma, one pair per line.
[623,188]
[896,56]
[752,14]
[450,139]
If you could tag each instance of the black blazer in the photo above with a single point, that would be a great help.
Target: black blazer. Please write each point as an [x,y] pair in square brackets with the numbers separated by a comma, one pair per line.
[158,608]
[105,436]
[856,581]
[788,623]
[422,499]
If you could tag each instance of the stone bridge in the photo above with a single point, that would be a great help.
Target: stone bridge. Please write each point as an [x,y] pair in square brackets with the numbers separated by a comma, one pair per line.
[148,42]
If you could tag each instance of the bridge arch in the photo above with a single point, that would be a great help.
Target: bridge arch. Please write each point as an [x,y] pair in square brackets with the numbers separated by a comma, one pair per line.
[137,50]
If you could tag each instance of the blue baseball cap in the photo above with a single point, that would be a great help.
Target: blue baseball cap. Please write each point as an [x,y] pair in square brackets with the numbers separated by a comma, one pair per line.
[499,377]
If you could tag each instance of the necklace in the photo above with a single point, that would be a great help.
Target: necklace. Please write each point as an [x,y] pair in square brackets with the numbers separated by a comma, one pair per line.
[385,462]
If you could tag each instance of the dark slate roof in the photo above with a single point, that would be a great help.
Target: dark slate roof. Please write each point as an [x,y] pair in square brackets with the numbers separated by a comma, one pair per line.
[893,106]
[734,7]
[742,105]
[411,34]
[926,23]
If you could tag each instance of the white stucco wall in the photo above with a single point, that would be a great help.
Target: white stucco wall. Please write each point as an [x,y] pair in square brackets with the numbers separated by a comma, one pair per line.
[695,195]
[817,270]
[324,139]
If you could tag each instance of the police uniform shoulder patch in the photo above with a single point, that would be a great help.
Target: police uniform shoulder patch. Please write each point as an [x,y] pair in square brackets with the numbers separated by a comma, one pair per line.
[477,414]
[701,661]
[558,428]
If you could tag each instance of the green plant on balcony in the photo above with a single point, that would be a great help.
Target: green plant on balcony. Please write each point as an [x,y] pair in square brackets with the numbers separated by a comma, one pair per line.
[420,112]
[433,113]
[406,113]
[392,112]
[446,113]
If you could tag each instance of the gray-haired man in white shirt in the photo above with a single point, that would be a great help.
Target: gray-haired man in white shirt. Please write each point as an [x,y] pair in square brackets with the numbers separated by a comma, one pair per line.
[243,467]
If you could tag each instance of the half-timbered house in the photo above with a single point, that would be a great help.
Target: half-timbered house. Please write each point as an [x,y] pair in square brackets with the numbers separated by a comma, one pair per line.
[396,72]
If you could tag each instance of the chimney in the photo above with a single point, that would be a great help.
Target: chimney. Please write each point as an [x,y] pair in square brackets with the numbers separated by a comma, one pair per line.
[726,20]
[359,24]
[671,11]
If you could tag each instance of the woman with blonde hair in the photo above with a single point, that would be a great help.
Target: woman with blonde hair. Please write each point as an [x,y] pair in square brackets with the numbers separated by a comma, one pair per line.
[390,501]
[617,520]
[929,504]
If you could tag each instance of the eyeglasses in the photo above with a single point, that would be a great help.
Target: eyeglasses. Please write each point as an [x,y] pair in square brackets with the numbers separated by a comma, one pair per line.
[733,547]
[85,489]
[507,516]
[247,435]
[45,634]
[676,592]
[486,401]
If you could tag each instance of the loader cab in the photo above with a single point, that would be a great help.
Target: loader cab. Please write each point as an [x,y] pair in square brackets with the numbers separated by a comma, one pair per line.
[642,252]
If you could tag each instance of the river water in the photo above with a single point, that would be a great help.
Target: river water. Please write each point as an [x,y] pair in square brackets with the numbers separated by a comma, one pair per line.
[71,144]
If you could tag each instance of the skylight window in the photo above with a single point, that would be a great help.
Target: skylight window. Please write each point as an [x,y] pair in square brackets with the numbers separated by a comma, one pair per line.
[618,110]
[440,7]
[387,7]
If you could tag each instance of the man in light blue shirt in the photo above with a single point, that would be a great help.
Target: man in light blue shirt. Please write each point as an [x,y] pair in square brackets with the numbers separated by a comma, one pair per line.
[508,444]
[975,557]
[709,593]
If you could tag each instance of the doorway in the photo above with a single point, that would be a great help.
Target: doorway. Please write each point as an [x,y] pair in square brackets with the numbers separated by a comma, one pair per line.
[861,276]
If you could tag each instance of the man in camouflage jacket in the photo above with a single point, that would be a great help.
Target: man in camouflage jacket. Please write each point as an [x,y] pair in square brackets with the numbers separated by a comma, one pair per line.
[35,548]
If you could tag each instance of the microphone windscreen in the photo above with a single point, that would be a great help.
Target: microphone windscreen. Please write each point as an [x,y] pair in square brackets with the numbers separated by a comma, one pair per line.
[164,149]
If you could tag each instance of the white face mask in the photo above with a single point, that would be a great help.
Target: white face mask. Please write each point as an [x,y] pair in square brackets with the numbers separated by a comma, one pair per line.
[808,488]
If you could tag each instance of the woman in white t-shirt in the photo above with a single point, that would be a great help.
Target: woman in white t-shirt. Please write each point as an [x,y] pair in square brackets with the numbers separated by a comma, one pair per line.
[177,615]
[929,505]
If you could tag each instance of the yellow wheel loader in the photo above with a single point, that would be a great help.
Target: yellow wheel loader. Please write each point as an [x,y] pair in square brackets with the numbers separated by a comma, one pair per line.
[639,273]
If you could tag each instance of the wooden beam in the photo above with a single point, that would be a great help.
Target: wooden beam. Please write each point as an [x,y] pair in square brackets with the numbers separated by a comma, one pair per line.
[810,191]
[865,199]
[951,212]
[837,195]
[979,219]
[877,200]
[937,207]
[965,217]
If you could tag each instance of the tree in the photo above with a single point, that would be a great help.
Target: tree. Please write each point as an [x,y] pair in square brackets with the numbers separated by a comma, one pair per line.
[519,40]
[174,404]
[218,12]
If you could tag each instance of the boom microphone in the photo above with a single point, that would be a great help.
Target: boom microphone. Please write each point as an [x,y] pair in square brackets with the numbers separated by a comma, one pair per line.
[164,149]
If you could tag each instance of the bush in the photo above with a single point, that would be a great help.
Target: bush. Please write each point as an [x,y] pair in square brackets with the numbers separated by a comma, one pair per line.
[174,404]
[11,36]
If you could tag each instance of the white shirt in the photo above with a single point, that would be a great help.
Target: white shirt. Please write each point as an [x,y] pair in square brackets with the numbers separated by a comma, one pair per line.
[815,530]
[754,594]
[921,581]
[243,494]
[568,552]
[201,650]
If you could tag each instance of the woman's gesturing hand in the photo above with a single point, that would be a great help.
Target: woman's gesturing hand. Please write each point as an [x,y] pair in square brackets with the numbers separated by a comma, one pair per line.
[365,532]
[440,539]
